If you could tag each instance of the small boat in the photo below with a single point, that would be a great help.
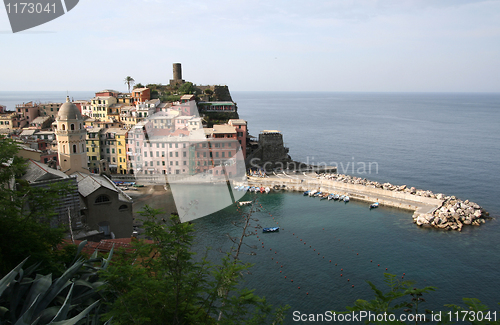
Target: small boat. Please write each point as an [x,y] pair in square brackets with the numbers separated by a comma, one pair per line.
[324,196]
[237,188]
[318,194]
[262,189]
[341,198]
[330,196]
[241,203]
[267,190]
[271,229]
[346,199]
[306,193]
[336,197]
[374,205]
[246,188]
[311,193]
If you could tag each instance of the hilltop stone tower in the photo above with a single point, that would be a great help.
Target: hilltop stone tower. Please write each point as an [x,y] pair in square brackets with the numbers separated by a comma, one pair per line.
[71,135]
[177,69]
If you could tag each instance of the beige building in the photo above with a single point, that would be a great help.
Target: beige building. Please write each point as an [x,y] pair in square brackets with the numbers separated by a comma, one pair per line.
[71,136]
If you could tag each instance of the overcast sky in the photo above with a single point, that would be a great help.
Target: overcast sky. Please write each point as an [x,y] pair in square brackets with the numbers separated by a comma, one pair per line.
[277,45]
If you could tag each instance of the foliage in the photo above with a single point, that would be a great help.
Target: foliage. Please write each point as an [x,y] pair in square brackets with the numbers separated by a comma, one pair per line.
[27,299]
[209,91]
[187,88]
[476,313]
[170,98]
[392,301]
[161,283]
[25,216]
[129,81]
[138,85]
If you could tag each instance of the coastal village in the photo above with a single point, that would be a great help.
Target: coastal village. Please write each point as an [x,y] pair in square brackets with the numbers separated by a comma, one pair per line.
[103,145]
[177,129]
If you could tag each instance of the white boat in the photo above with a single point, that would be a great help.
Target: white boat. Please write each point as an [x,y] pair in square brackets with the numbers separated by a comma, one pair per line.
[374,205]
[267,190]
[244,203]
[346,199]
[311,193]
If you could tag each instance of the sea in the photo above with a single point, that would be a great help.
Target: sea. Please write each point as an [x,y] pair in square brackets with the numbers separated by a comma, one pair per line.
[326,252]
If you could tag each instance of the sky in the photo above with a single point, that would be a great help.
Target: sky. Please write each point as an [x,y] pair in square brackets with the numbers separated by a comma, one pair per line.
[257,45]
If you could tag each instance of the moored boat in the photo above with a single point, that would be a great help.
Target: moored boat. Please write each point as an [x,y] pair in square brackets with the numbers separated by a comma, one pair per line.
[311,193]
[346,199]
[374,205]
[267,190]
[336,197]
[306,193]
[271,229]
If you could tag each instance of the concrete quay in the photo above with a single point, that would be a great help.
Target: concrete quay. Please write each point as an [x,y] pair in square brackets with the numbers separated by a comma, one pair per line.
[419,204]
[430,210]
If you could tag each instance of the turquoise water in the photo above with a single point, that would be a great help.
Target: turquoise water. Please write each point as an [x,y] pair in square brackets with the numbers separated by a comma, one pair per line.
[357,239]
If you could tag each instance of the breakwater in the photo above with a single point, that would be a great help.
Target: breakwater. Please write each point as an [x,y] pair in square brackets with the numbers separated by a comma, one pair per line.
[430,210]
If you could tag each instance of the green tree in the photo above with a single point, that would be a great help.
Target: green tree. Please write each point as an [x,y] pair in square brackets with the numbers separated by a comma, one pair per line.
[25,216]
[161,283]
[138,85]
[129,81]
[187,88]
[401,297]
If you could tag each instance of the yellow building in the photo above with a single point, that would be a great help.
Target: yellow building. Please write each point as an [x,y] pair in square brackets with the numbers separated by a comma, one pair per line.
[100,106]
[121,141]
[94,148]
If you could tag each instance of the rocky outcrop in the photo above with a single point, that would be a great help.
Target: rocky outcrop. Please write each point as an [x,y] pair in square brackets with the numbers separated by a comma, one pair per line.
[454,214]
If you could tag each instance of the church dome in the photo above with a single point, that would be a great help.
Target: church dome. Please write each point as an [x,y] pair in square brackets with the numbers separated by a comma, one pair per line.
[69,111]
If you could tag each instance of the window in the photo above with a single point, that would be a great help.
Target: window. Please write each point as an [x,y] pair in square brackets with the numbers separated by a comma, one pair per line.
[64,127]
[119,150]
[123,207]
[145,153]
[102,199]
[177,154]
[74,148]
[170,153]
[113,150]
[157,154]
[72,127]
